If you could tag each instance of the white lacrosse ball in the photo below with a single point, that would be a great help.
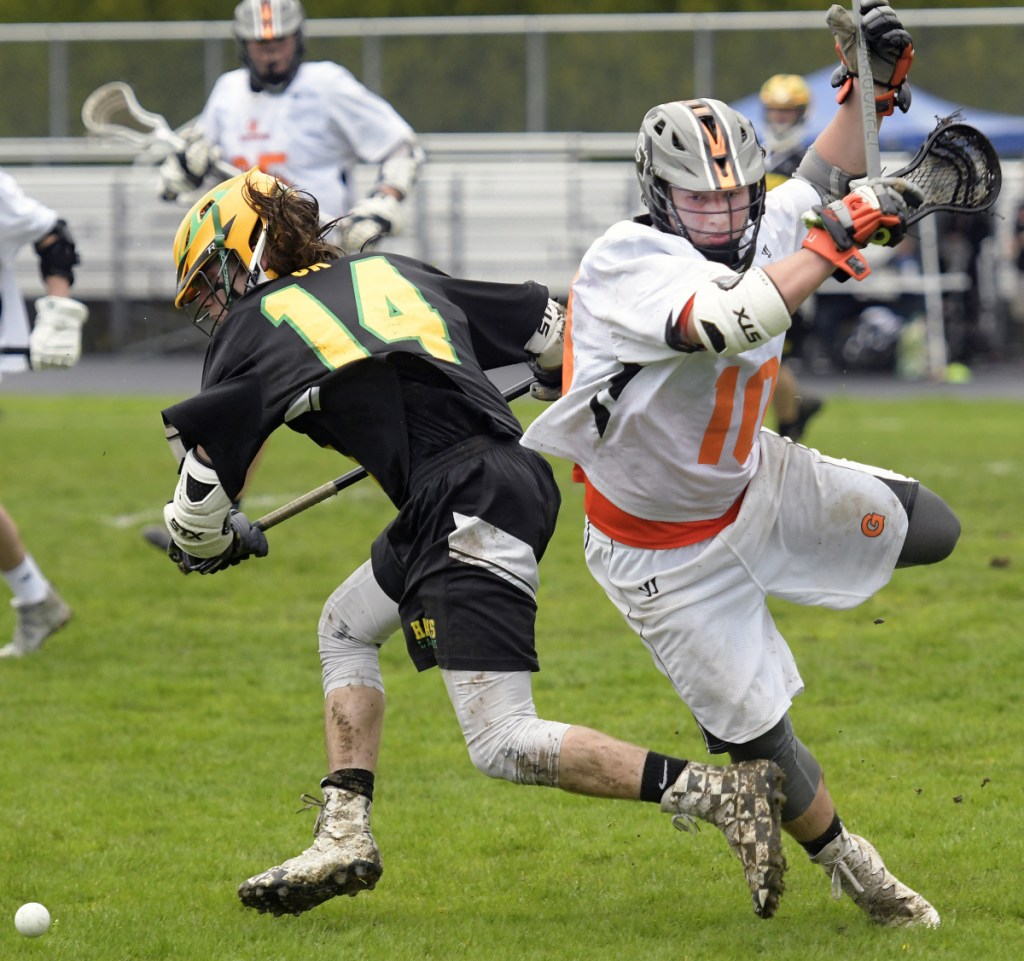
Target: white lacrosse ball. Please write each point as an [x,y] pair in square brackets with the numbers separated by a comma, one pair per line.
[32,919]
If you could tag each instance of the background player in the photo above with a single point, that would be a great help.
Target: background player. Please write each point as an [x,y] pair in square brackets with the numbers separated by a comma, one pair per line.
[786,99]
[307,123]
[55,340]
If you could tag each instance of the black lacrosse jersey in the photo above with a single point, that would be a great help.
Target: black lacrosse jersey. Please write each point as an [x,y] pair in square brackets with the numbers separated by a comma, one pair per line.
[380,357]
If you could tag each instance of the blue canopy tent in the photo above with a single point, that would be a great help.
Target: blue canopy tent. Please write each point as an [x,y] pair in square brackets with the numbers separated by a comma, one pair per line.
[902,132]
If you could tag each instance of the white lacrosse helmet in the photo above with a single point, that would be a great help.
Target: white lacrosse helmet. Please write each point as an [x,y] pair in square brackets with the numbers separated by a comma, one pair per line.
[701,145]
[261,20]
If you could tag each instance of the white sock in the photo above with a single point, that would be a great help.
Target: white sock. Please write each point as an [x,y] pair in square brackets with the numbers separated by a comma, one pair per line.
[27,582]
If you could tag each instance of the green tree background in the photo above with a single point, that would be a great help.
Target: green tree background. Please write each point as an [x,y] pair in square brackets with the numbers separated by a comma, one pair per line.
[595,82]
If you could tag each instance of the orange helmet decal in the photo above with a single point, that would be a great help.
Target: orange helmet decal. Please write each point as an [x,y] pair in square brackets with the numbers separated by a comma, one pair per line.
[718,148]
[266,20]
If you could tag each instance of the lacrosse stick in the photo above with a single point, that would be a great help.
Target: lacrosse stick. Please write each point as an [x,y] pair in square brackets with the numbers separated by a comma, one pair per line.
[867,98]
[519,378]
[956,168]
[112,110]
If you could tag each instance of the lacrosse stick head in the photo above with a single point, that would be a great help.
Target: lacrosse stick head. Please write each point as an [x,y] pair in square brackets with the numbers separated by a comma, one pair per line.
[956,169]
[112,110]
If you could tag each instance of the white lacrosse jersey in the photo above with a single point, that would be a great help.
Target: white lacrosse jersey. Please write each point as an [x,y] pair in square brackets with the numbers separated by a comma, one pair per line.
[23,220]
[310,135]
[663,435]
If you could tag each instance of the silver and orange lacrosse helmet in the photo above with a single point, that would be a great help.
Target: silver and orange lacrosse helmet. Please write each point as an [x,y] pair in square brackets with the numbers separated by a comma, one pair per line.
[262,20]
[701,145]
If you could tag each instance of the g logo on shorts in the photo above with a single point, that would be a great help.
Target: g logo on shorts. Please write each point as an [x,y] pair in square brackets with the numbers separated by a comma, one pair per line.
[871,525]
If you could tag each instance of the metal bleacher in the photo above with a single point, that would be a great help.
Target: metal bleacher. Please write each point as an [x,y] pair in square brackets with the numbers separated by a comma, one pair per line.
[522,211]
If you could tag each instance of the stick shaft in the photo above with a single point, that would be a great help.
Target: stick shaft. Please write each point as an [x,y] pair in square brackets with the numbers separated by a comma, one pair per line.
[867,98]
[307,500]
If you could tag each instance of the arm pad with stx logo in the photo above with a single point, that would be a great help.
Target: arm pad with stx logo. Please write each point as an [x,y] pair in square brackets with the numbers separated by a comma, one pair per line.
[730,315]
[545,349]
[197,517]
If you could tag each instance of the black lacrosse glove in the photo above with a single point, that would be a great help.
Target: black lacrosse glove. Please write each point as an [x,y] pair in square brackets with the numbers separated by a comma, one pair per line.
[247,541]
[889,46]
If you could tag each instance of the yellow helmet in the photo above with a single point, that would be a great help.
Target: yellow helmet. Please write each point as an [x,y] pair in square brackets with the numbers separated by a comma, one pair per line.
[220,223]
[785,91]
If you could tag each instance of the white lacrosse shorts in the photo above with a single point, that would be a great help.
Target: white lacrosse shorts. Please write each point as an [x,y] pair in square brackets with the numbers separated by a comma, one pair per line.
[812,529]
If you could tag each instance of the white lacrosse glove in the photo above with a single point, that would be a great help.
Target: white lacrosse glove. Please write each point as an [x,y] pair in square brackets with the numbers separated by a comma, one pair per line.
[184,172]
[56,338]
[545,350]
[379,215]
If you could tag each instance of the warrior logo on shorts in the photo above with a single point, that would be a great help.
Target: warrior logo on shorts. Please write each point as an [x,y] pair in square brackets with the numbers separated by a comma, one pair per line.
[871,525]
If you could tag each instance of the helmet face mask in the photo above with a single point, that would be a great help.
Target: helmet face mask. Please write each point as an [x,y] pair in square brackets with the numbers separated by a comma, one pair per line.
[211,290]
[218,249]
[698,147]
[269,21]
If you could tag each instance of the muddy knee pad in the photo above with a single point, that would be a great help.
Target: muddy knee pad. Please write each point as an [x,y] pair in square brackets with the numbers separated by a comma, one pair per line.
[504,736]
[356,620]
[781,745]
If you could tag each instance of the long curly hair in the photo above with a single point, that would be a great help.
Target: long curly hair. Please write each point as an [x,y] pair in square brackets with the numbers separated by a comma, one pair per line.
[295,236]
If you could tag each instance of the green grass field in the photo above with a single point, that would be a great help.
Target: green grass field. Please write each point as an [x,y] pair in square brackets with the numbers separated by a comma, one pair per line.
[155,750]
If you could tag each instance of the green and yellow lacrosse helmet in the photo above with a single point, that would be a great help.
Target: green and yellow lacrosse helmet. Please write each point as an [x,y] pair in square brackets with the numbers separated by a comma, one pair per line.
[221,227]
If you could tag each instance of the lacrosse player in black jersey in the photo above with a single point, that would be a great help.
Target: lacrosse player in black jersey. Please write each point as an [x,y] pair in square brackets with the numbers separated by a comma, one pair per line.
[382,358]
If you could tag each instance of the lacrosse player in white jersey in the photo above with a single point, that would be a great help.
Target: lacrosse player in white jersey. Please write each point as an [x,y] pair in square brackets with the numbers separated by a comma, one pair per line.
[306,123]
[695,513]
[53,340]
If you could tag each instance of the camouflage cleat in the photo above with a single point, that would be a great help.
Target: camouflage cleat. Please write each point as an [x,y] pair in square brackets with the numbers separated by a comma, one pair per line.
[36,622]
[857,868]
[744,801]
[343,859]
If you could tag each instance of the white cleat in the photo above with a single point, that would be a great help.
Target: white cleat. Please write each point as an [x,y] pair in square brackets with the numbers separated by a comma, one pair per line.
[343,859]
[744,801]
[857,868]
[36,622]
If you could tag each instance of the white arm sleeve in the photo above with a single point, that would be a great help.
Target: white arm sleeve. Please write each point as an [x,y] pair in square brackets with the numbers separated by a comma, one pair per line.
[197,517]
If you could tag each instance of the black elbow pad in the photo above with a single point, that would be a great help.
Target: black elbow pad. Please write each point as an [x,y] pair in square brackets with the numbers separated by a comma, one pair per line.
[58,258]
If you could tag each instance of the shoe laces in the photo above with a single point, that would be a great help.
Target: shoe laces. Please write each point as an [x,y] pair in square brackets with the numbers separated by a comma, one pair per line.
[309,802]
[686,822]
[841,869]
